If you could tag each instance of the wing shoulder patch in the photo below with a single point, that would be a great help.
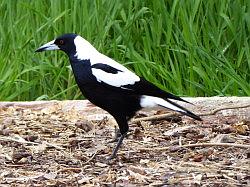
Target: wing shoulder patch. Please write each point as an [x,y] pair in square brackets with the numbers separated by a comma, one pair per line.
[106,68]
[113,76]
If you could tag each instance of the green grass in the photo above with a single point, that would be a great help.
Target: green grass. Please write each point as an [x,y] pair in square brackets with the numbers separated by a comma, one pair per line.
[188,47]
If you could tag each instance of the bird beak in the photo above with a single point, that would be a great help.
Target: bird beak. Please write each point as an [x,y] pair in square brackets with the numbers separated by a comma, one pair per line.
[48,46]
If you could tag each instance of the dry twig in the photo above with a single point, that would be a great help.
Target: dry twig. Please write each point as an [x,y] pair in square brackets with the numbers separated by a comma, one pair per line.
[91,158]
[19,139]
[216,144]
[75,170]
[197,145]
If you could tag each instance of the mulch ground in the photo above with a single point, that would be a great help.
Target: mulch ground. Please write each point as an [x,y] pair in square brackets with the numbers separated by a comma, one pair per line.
[48,145]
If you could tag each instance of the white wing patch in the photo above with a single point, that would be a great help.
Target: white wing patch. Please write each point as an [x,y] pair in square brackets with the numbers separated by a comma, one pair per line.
[150,101]
[84,50]
[122,78]
[118,80]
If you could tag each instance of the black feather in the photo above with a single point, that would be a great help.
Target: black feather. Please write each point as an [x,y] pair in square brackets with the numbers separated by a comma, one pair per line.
[143,87]
[105,67]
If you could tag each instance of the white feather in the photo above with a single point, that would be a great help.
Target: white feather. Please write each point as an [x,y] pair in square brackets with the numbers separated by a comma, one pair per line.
[118,80]
[150,101]
[84,50]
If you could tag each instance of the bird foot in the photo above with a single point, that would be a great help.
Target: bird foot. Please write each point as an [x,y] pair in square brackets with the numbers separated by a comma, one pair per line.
[111,157]
[120,140]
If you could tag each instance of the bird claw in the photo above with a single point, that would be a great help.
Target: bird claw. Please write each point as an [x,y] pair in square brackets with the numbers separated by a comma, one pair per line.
[111,157]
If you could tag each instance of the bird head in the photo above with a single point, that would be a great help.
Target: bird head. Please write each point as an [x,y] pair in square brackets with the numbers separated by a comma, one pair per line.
[64,43]
[72,44]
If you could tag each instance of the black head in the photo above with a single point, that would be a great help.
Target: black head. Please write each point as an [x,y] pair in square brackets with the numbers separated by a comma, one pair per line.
[64,43]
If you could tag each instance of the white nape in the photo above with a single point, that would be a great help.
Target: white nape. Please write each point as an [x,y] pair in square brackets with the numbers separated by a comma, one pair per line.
[84,50]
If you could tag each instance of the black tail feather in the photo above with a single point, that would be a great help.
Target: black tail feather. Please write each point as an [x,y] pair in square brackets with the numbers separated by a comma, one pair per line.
[187,112]
[171,96]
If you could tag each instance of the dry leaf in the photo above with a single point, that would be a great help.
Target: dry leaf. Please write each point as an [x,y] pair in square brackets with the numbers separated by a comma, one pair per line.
[99,164]
[138,169]
[198,157]
[84,180]
[84,125]
[242,127]
[177,130]
[49,176]
[223,138]
[197,179]
[137,176]
[40,148]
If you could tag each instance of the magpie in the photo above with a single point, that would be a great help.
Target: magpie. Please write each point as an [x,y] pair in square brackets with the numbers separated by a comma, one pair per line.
[110,85]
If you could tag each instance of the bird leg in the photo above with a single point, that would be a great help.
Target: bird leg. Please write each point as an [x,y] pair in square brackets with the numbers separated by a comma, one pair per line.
[117,135]
[118,145]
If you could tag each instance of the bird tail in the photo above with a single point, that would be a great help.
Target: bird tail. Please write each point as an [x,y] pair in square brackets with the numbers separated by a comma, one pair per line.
[150,101]
[181,109]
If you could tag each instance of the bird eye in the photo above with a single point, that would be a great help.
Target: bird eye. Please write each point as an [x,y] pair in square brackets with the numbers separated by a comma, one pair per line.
[61,42]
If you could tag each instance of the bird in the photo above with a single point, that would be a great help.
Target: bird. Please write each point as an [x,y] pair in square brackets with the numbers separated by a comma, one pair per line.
[110,85]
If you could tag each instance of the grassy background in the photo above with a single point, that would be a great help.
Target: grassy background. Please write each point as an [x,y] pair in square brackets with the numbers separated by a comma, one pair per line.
[189,47]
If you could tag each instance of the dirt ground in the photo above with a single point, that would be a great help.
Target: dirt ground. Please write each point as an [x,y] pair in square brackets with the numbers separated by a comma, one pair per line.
[66,143]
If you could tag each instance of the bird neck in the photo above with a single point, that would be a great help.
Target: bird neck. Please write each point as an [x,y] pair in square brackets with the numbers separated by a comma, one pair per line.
[82,73]
[84,50]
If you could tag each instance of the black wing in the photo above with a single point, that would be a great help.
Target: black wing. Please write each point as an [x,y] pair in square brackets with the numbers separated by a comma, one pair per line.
[138,87]
[144,87]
